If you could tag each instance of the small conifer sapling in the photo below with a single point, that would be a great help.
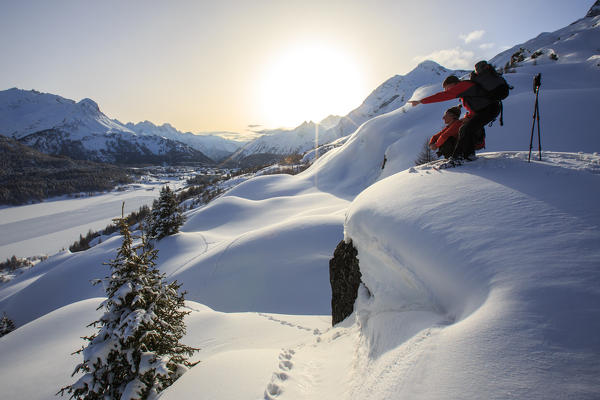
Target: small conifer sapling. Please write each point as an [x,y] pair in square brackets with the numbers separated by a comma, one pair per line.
[165,217]
[426,154]
[6,325]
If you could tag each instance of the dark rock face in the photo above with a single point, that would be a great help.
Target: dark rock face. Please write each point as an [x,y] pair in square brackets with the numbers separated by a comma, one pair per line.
[344,275]
[594,10]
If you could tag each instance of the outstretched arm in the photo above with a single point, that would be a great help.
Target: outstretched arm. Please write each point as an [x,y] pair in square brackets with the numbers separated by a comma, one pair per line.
[414,102]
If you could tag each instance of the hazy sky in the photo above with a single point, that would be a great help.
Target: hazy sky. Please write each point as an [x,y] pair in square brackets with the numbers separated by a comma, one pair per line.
[229,64]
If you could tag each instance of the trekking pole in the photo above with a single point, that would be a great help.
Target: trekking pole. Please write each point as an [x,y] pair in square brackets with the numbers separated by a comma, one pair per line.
[537,82]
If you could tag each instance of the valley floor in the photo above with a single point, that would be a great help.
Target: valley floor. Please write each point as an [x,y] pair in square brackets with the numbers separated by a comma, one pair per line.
[48,227]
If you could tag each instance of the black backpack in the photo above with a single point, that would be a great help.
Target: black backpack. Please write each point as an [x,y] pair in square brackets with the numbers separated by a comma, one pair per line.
[491,81]
[493,84]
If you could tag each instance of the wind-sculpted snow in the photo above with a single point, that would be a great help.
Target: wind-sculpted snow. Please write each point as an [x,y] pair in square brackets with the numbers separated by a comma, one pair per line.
[500,256]
[271,186]
[282,268]
[268,252]
[272,253]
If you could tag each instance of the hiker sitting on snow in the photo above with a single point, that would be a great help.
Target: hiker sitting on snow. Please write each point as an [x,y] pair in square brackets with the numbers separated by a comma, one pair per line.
[481,110]
[445,140]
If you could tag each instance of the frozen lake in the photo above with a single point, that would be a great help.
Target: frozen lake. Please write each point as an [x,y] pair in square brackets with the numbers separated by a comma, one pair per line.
[48,227]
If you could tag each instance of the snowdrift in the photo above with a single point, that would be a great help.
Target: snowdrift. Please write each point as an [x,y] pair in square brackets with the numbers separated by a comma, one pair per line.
[496,264]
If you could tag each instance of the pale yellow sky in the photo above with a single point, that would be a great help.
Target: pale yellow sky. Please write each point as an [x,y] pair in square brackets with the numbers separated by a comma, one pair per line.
[213,65]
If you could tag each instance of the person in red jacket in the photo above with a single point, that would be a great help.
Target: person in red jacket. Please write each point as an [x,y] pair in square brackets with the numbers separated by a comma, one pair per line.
[445,140]
[481,110]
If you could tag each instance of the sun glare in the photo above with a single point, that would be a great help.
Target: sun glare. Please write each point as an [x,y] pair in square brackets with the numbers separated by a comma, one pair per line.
[309,82]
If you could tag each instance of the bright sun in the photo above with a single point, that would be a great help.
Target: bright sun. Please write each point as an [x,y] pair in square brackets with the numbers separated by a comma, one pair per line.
[309,82]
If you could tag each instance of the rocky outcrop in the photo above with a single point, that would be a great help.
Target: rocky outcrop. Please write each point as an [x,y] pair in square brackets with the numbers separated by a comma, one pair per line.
[344,275]
[594,10]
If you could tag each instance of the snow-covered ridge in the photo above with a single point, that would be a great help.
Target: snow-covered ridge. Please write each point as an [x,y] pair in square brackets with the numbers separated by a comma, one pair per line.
[571,44]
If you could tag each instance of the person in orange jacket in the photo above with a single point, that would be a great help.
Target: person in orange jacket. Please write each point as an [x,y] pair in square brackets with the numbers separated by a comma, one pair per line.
[445,140]
[481,110]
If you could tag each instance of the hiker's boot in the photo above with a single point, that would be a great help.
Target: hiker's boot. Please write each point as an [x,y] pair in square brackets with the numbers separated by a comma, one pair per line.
[471,157]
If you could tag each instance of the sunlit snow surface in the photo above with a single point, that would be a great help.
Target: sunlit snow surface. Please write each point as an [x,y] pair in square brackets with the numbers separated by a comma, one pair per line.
[483,278]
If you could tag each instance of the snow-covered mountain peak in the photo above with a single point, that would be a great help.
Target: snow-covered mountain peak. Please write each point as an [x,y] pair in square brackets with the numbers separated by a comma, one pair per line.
[89,105]
[428,65]
[149,128]
[166,125]
[330,121]
[430,70]
[307,125]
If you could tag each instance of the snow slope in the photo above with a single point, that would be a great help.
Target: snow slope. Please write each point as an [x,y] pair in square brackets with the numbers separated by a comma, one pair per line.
[497,263]
[479,282]
[466,288]
[571,44]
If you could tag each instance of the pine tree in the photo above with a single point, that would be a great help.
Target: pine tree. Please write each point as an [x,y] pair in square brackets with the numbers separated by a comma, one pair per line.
[426,154]
[6,325]
[165,217]
[136,351]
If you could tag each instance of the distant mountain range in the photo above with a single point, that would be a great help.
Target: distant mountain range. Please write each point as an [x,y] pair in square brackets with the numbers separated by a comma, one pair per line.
[55,125]
[214,146]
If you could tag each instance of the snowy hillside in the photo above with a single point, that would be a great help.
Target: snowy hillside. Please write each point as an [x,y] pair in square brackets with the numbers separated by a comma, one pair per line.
[389,96]
[466,289]
[571,44]
[479,282]
[55,125]
[214,146]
